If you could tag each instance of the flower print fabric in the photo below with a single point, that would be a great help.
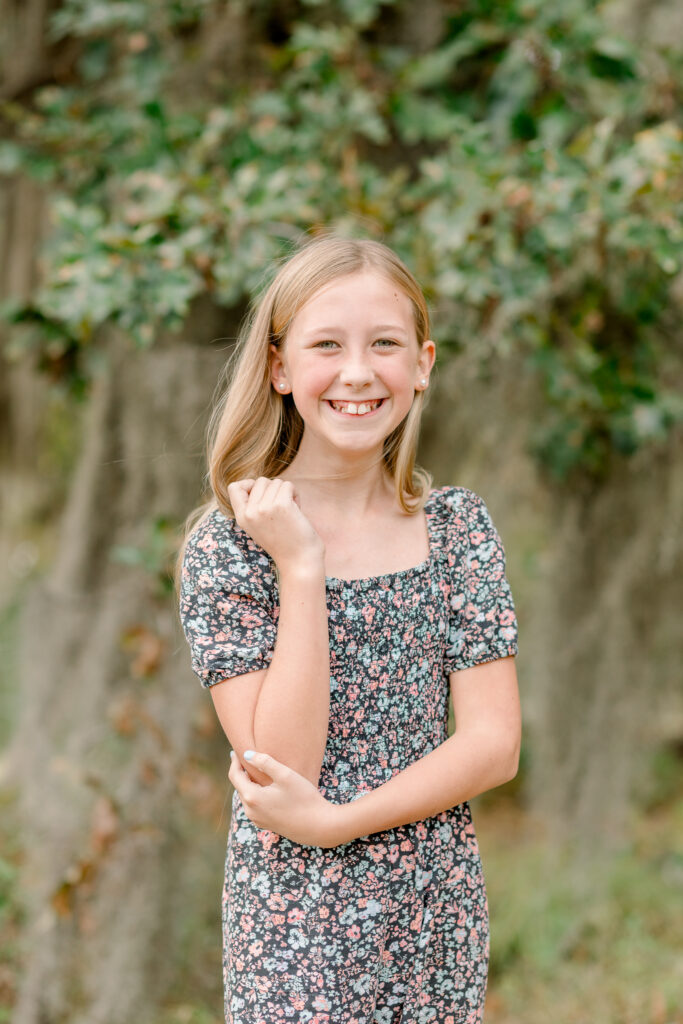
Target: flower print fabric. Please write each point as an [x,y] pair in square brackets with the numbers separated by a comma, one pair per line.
[392,926]
[484,626]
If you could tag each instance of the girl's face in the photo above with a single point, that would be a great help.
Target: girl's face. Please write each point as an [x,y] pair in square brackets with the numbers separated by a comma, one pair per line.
[352,362]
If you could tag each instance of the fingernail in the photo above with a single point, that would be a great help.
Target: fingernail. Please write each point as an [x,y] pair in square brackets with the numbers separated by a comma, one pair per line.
[248,754]
[232,754]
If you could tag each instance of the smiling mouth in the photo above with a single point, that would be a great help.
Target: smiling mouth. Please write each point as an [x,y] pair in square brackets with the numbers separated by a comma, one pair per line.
[356,408]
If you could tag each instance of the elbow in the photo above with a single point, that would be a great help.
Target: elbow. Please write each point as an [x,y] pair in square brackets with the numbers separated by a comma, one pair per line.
[510,761]
[300,762]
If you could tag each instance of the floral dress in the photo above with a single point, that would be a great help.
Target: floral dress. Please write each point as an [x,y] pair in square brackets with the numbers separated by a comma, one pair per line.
[393,926]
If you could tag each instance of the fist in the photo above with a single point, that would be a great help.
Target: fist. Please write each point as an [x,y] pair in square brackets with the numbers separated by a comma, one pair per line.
[269,511]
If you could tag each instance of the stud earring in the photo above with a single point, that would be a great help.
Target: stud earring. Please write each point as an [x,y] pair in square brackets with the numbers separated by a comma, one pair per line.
[423,382]
[283,385]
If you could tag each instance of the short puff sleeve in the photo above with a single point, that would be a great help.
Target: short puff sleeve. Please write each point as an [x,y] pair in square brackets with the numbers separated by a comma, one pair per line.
[483,624]
[226,605]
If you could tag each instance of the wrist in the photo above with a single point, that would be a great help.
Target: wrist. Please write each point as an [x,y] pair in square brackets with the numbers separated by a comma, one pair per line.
[339,828]
[310,567]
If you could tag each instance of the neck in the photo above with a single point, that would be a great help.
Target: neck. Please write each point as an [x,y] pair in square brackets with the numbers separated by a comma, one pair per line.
[352,487]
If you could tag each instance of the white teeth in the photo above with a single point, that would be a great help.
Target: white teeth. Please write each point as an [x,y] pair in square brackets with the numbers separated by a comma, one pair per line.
[356,410]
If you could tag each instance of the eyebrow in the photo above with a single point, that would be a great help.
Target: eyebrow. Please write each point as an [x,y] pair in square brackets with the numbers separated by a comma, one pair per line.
[392,328]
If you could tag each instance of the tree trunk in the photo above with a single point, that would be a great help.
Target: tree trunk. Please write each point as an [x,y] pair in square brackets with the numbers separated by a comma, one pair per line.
[118,750]
[609,646]
[597,577]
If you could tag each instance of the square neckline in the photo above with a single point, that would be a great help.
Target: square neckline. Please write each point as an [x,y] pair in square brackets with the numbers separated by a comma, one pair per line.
[337,583]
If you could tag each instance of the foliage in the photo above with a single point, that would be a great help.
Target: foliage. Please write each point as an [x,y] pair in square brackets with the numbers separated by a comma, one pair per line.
[526,162]
[570,929]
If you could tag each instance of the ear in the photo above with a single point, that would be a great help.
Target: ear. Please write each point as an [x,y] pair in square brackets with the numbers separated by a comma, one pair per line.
[425,362]
[278,373]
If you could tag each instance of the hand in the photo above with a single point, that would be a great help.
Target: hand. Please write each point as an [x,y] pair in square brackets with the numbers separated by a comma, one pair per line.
[268,510]
[290,805]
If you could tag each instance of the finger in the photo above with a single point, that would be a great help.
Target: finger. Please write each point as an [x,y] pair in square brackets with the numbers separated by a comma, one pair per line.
[238,492]
[258,490]
[232,773]
[240,778]
[265,763]
[271,492]
[286,493]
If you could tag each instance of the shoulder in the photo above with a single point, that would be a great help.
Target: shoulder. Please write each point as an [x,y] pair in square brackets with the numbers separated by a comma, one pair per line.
[466,521]
[458,504]
[219,552]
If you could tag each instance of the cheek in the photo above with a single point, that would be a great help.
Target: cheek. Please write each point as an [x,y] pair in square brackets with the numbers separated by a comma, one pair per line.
[315,380]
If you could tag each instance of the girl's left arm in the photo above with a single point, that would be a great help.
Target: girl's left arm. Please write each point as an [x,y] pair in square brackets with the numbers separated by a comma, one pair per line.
[482,753]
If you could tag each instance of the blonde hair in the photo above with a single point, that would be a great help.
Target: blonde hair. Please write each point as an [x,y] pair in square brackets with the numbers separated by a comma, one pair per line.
[254,431]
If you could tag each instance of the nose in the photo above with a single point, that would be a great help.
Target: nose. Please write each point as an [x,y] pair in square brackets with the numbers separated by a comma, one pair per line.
[355,373]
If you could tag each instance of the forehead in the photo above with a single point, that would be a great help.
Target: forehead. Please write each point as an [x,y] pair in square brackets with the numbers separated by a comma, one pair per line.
[363,298]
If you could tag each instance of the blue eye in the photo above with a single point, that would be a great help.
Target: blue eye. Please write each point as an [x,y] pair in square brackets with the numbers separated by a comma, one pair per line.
[330,341]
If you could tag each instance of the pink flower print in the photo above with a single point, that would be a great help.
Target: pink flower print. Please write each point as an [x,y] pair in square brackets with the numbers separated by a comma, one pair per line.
[294,915]
[207,543]
[267,838]
[276,902]
[256,947]
[333,872]
[368,613]
[507,617]
[353,932]
[249,620]
[477,537]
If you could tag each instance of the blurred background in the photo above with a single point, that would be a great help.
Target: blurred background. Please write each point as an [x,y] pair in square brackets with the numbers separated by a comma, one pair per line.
[525,158]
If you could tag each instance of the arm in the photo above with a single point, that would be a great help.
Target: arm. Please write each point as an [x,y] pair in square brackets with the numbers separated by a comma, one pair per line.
[482,753]
[293,706]
[284,708]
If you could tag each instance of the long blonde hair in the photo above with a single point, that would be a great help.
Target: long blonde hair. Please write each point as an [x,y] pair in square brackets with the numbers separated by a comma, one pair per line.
[254,431]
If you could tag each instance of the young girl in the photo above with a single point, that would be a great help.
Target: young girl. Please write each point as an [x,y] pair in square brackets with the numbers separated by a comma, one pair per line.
[331,601]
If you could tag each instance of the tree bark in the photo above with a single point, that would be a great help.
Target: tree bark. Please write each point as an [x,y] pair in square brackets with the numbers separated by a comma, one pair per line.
[123,769]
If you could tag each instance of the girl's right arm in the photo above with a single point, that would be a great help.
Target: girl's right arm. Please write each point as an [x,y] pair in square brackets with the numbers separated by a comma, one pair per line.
[283,709]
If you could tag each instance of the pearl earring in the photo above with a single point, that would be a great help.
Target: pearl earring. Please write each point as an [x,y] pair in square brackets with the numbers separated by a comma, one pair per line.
[283,385]
[423,382]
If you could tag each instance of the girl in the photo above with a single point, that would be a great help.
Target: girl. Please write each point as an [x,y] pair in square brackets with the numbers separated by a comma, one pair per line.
[331,600]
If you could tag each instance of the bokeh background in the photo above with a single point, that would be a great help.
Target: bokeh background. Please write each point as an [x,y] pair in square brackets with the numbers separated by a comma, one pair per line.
[525,158]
